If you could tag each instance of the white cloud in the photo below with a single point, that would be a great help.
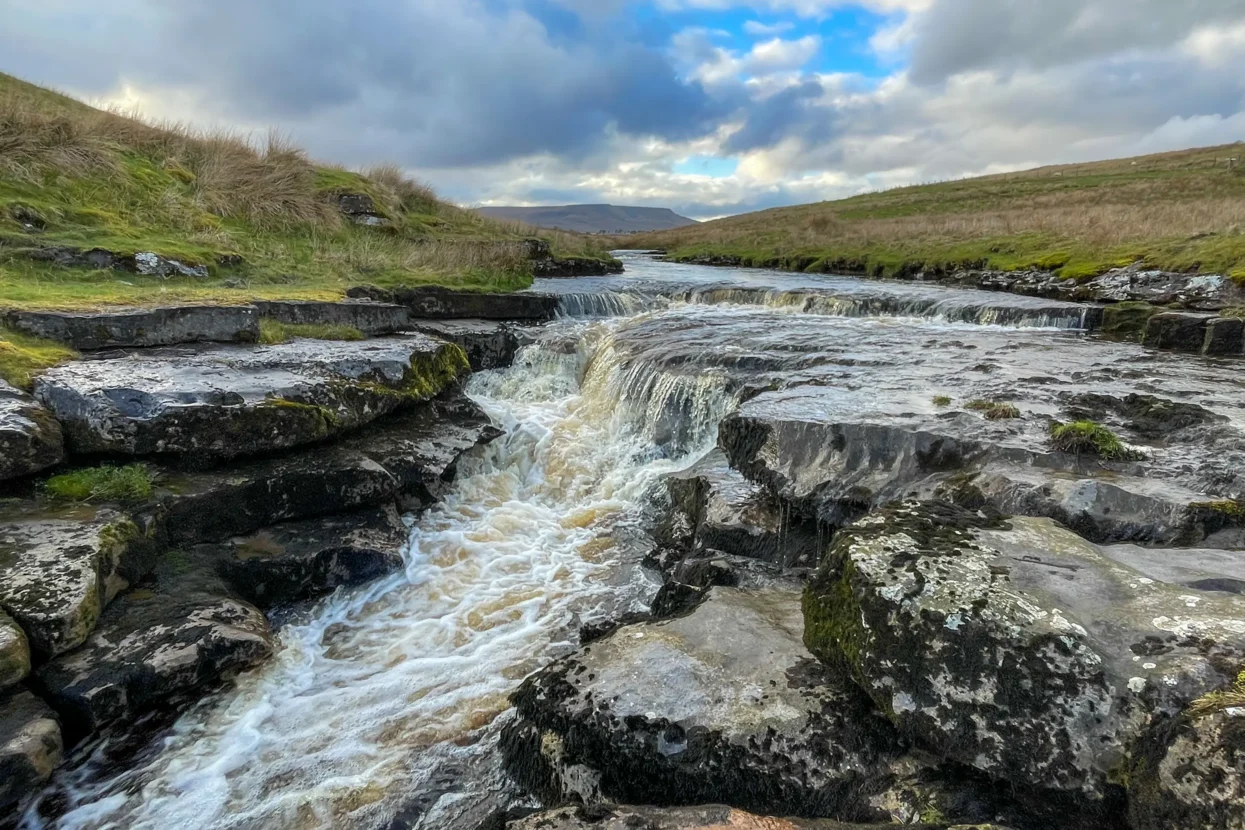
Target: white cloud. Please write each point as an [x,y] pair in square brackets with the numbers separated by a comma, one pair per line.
[757,29]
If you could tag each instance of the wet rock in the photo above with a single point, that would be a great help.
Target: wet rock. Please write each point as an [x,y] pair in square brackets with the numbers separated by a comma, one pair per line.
[141,327]
[1136,283]
[575,267]
[410,457]
[489,344]
[1176,330]
[1224,336]
[1127,320]
[717,508]
[437,303]
[30,438]
[358,208]
[368,317]
[14,652]
[724,705]
[30,746]
[299,560]
[1191,773]
[1014,646]
[60,568]
[1149,416]
[607,817]
[228,401]
[157,646]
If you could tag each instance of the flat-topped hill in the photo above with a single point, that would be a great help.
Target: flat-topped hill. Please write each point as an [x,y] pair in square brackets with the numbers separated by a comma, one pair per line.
[1180,211]
[613,219]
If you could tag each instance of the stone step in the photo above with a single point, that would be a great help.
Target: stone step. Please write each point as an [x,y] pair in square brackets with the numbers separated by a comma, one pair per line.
[371,318]
[432,302]
[141,327]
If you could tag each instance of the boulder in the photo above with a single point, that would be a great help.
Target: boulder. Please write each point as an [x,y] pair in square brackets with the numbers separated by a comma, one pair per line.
[299,560]
[60,567]
[30,746]
[14,652]
[489,344]
[1177,330]
[128,328]
[1127,320]
[227,401]
[368,317]
[1190,773]
[30,438]
[359,208]
[409,456]
[713,817]
[437,303]
[724,705]
[145,263]
[174,639]
[1224,336]
[1013,645]
[575,266]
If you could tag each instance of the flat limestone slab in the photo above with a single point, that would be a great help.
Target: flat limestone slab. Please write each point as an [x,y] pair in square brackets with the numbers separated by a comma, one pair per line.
[368,317]
[30,438]
[228,401]
[141,327]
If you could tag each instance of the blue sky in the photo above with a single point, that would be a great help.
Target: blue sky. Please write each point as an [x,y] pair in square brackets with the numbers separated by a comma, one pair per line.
[710,107]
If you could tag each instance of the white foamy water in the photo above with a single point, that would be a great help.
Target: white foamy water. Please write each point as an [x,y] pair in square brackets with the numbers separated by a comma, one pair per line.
[393,691]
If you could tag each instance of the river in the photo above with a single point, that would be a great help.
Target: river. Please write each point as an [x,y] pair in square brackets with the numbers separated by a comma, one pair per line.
[383,705]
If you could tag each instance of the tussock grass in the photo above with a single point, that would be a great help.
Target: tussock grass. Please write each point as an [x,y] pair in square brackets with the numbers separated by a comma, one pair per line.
[994,410]
[22,356]
[131,484]
[1183,211]
[272,331]
[942,400]
[1217,701]
[1090,438]
[258,214]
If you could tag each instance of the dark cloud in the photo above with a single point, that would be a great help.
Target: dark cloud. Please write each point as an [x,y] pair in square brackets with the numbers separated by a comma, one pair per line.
[791,112]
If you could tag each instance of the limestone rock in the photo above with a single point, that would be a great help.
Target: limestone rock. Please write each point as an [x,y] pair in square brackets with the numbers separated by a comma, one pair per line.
[227,401]
[370,318]
[724,705]
[1191,774]
[14,652]
[59,568]
[30,746]
[30,438]
[156,646]
[1177,330]
[1014,646]
[299,560]
[489,344]
[141,327]
[438,303]
[607,817]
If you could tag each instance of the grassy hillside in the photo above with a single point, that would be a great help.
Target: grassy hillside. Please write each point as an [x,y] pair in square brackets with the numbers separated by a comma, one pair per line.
[1182,211]
[262,219]
[592,218]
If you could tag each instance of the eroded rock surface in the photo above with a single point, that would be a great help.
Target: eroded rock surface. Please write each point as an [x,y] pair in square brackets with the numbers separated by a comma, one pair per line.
[607,817]
[228,401]
[298,560]
[30,438]
[489,344]
[14,652]
[1015,646]
[368,317]
[60,567]
[30,746]
[177,637]
[141,327]
[724,705]
[436,303]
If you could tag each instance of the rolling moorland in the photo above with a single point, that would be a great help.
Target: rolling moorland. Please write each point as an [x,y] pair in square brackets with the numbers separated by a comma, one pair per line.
[592,218]
[1181,211]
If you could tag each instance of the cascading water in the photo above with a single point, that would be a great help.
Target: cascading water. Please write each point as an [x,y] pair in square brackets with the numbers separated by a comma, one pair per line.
[385,701]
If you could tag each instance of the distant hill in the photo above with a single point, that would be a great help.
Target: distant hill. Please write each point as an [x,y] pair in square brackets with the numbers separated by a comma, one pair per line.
[592,218]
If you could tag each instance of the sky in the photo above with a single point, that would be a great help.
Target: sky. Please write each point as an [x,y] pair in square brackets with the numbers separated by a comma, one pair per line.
[709,107]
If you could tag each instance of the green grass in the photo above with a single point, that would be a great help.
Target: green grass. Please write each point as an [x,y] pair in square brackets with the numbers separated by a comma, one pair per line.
[1182,211]
[994,410]
[23,356]
[1090,438]
[272,331]
[262,219]
[125,485]
[942,400]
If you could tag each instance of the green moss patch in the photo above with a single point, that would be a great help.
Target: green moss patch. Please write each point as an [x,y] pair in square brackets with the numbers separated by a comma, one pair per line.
[132,484]
[272,331]
[1090,438]
[23,356]
[994,410]
[942,400]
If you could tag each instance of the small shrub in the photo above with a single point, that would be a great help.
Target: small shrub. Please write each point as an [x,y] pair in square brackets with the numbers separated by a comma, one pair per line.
[272,332]
[994,410]
[128,485]
[1090,438]
[942,400]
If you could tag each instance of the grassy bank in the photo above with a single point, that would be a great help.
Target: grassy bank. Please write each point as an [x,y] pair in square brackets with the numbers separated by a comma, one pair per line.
[1182,211]
[263,220]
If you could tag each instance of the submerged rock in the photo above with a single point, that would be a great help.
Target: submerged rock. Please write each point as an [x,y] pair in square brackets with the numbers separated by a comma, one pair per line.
[141,327]
[177,639]
[30,438]
[724,705]
[299,560]
[60,568]
[228,401]
[1014,646]
[30,746]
